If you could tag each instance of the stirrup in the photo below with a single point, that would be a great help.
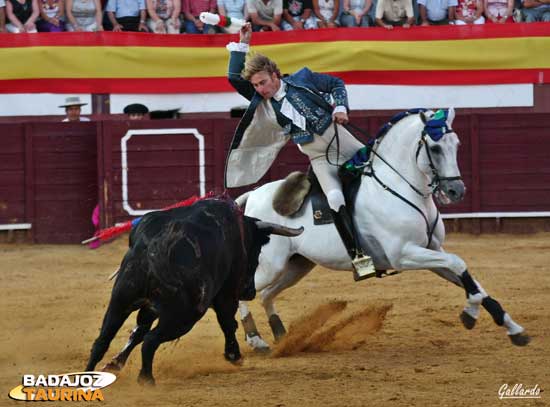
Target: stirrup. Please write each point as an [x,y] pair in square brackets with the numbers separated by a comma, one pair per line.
[363,267]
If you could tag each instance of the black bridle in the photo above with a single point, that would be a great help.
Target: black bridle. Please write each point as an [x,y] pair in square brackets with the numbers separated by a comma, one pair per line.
[435,183]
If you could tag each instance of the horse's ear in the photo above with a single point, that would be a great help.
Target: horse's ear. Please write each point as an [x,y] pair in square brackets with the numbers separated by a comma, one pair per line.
[423,117]
[450,116]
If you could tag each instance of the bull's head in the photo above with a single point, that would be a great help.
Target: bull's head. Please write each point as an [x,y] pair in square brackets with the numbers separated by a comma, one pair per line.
[255,238]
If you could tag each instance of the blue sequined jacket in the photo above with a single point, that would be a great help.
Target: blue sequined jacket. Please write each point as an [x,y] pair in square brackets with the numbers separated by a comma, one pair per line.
[255,144]
[307,91]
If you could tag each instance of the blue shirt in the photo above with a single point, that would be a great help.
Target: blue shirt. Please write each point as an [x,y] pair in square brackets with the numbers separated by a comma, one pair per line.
[125,8]
[233,8]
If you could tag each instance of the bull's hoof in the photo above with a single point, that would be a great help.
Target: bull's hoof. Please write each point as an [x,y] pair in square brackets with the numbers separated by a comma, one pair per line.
[277,327]
[145,380]
[233,357]
[521,339]
[467,320]
[112,366]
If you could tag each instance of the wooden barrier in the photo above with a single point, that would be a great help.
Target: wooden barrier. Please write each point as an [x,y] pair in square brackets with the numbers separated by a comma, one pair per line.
[53,174]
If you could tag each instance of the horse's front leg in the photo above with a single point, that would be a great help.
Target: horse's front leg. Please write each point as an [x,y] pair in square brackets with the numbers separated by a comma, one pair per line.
[415,257]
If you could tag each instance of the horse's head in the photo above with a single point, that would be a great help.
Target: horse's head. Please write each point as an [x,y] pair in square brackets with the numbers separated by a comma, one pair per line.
[437,156]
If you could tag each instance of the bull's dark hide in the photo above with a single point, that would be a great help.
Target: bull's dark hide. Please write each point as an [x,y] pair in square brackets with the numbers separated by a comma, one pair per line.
[179,263]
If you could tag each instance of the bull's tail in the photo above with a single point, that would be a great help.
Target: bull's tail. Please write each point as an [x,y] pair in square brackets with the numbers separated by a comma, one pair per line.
[241,200]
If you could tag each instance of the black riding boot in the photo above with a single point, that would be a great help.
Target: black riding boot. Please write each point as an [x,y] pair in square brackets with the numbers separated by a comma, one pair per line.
[363,266]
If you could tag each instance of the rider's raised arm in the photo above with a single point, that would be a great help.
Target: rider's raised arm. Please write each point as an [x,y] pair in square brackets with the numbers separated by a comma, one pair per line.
[237,58]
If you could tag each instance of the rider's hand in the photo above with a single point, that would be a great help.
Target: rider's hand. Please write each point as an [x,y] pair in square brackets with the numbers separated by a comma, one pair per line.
[246,33]
[340,117]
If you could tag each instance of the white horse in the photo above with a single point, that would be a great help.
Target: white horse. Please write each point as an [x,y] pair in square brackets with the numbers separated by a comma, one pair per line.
[396,219]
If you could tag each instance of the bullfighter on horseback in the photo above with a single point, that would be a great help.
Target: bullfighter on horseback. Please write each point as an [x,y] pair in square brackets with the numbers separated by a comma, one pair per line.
[295,107]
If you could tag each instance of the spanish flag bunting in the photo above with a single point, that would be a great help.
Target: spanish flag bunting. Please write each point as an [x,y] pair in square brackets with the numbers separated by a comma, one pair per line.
[107,62]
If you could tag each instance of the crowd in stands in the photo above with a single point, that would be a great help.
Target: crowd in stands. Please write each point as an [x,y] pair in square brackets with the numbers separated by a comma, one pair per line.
[182,16]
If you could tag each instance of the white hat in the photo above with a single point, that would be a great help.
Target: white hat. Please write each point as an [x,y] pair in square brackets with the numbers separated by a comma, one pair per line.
[73,101]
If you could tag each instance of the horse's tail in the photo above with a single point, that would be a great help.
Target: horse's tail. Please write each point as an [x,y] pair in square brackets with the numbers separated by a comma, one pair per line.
[241,200]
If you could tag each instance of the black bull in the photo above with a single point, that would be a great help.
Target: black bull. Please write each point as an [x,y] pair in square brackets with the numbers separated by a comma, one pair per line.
[179,263]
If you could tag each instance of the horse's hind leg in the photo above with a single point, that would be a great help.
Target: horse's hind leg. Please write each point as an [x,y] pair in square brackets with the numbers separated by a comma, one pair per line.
[297,268]
[145,318]
[251,333]
[415,257]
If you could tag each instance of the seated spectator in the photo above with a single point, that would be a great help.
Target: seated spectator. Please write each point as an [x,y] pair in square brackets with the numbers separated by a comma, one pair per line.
[499,11]
[265,15]
[469,12]
[326,12]
[535,10]
[390,13]
[84,15]
[164,16]
[165,114]
[232,9]
[52,15]
[437,12]
[355,13]
[136,111]
[192,10]
[2,16]
[73,107]
[22,16]
[127,15]
[297,15]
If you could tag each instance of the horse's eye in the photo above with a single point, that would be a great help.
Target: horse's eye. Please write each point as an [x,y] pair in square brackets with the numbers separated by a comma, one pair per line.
[436,149]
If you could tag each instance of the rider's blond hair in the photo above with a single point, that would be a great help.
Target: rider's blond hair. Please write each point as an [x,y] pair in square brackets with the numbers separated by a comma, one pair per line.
[258,63]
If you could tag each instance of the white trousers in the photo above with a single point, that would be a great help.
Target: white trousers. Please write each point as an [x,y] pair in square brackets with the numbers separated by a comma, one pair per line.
[327,171]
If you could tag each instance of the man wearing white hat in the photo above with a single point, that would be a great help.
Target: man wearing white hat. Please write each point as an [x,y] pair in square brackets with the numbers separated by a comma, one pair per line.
[72,107]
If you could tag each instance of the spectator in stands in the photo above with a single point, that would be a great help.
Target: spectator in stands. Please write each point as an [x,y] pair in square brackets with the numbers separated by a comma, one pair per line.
[2,16]
[22,16]
[127,15]
[535,10]
[84,15]
[52,16]
[469,12]
[164,16]
[499,11]
[265,15]
[437,12]
[390,13]
[232,9]
[326,12]
[165,114]
[136,111]
[192,10]
[73,107]
[355,13]
[297,15]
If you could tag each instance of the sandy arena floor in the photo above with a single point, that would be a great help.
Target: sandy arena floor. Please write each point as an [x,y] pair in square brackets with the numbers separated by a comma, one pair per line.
[391,342]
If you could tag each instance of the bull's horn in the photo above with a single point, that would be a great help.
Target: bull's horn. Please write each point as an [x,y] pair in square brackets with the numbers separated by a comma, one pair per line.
[279,229]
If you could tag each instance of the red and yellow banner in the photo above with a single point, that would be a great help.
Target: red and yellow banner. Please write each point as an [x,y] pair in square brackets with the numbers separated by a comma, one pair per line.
[149,63]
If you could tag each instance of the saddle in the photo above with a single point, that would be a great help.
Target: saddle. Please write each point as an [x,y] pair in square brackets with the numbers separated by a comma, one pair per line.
[297,186]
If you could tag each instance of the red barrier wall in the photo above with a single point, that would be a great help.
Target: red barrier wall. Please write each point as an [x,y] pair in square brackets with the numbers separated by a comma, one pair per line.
[53,174]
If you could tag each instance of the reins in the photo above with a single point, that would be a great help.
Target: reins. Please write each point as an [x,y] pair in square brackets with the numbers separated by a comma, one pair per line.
[434,183]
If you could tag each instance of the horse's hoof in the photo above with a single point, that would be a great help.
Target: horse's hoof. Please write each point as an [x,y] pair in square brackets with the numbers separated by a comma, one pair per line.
[277,327]
[467,320]
[520,339]
[257,343]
